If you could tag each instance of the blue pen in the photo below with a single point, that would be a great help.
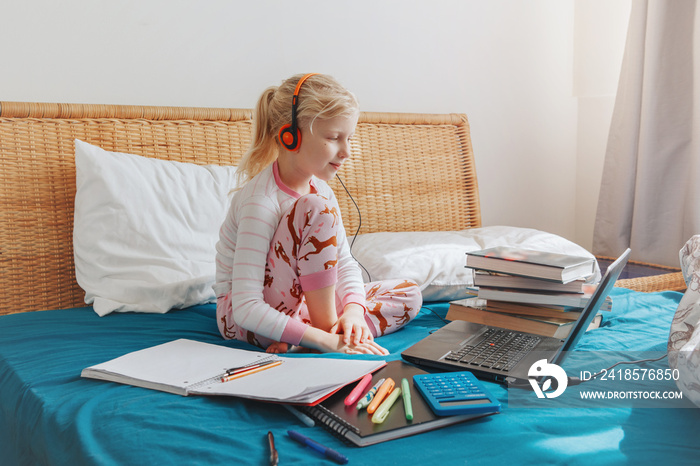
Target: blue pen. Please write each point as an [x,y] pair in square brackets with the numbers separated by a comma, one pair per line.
[325,451]
[364,402]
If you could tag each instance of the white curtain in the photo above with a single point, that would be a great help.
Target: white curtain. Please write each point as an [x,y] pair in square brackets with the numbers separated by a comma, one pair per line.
[650,193]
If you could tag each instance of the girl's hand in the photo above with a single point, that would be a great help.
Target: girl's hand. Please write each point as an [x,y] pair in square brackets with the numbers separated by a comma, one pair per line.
[352,324]
[369,347]
[334,343]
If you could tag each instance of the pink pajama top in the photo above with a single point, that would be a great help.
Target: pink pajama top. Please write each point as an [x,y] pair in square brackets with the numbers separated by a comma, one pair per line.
[241,256]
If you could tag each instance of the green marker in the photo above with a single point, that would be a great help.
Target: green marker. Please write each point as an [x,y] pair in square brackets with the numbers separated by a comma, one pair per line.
[406,392]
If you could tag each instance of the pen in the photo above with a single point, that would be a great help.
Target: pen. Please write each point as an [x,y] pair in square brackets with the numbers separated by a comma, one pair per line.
[406,392]
[384,408]
[386,387]
[368,397]
[301,416]
[243,373]
[236,370]
[357,392]
[274,456]
[325,451]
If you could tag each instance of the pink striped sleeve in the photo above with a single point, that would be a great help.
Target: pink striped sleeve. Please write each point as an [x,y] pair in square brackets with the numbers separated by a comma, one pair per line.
[259,217]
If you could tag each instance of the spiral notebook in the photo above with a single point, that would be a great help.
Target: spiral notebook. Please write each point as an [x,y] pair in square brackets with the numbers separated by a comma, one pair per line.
[187,367]
[356,427]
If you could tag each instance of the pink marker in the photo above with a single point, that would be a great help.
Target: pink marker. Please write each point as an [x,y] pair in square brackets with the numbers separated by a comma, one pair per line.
[358,391]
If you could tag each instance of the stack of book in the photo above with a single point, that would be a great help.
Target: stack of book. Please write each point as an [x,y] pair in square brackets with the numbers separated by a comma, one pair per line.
[528,291]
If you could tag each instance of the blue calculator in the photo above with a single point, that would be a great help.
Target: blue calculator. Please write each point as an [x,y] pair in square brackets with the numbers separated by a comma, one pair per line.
[452,393]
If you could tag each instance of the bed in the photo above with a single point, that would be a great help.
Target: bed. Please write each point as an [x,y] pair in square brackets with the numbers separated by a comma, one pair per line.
[412,176]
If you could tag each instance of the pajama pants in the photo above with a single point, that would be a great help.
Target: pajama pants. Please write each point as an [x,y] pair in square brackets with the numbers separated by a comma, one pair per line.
[303,256]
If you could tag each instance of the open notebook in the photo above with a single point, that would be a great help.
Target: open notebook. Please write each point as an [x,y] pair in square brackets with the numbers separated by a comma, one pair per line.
[187,367]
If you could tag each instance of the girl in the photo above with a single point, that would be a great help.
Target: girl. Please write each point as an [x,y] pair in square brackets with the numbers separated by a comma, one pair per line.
[284,274]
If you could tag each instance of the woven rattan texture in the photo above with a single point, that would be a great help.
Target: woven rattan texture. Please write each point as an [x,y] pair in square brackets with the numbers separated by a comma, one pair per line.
[649,278]
[409,172]
[664,282]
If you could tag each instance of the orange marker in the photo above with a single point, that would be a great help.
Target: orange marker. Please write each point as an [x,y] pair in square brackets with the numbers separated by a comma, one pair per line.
[383,391]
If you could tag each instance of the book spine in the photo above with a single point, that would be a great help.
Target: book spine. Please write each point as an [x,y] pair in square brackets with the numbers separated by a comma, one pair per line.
[330,421]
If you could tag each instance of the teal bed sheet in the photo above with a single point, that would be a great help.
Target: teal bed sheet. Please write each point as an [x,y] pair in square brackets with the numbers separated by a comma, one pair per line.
[50,415]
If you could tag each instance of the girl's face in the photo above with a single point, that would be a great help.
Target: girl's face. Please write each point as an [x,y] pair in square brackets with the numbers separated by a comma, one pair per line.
[322,153]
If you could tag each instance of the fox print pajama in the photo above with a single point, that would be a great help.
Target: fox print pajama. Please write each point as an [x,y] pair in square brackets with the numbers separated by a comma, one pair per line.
[261,282]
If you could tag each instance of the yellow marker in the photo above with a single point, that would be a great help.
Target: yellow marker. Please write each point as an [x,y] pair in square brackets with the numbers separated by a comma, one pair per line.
[385,407]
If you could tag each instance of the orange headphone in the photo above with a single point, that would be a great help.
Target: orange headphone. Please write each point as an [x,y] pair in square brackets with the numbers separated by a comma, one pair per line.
[289,135]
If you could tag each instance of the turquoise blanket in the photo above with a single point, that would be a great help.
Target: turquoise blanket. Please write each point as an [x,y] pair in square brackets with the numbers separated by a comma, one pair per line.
[50,415]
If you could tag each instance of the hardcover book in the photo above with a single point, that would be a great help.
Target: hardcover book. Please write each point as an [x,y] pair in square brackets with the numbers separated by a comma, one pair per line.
[534,310]
[530,263]
[543,298]
[502,280]
[478,311]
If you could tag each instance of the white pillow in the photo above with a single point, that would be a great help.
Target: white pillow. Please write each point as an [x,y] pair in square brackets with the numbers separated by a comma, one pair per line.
[435,260]
[145,230]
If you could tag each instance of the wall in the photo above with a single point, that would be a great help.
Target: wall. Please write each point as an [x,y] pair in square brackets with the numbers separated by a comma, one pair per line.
[508,64]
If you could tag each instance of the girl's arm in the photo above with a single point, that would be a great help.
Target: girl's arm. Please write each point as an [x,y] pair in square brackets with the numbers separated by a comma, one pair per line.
[257,221]
[351,323]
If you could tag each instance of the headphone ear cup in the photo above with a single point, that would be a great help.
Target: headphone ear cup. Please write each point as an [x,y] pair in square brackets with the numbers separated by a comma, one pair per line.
[289,138]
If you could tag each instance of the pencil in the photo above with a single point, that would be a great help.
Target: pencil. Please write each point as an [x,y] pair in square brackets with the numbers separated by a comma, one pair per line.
[238,375]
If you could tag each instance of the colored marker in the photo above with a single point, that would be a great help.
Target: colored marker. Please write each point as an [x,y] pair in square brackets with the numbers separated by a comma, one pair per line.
[383,410]
[357,392]
[383,391]
[406,392]
[368,397]
[325,451]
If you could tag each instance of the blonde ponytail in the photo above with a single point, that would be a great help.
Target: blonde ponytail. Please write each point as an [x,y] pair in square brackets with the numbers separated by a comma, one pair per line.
[263,150]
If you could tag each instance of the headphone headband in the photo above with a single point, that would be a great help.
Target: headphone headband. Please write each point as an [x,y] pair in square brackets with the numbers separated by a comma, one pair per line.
[298,88]
[289,135]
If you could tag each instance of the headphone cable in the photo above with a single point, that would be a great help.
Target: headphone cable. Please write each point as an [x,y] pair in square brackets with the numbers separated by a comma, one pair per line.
[359,225]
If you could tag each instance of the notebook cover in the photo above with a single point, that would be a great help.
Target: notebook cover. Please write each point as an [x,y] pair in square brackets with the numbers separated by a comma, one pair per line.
[357,427]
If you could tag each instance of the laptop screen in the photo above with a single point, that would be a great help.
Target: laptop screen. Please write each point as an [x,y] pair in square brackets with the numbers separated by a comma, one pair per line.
[601,292]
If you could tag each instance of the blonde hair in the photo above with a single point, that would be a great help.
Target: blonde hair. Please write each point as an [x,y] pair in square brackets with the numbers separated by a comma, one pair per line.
[320,96]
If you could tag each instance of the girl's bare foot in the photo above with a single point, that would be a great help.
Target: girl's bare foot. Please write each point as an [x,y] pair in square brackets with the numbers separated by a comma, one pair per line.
[277,347]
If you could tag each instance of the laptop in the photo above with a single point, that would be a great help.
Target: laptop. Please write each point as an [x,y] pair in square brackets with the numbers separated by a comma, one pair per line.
[503,355]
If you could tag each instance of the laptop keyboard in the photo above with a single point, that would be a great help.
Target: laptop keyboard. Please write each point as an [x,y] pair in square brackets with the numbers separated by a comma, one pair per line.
[495,349]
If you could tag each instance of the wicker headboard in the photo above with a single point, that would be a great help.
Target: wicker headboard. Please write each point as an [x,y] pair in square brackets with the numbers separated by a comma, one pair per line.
[408,172]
